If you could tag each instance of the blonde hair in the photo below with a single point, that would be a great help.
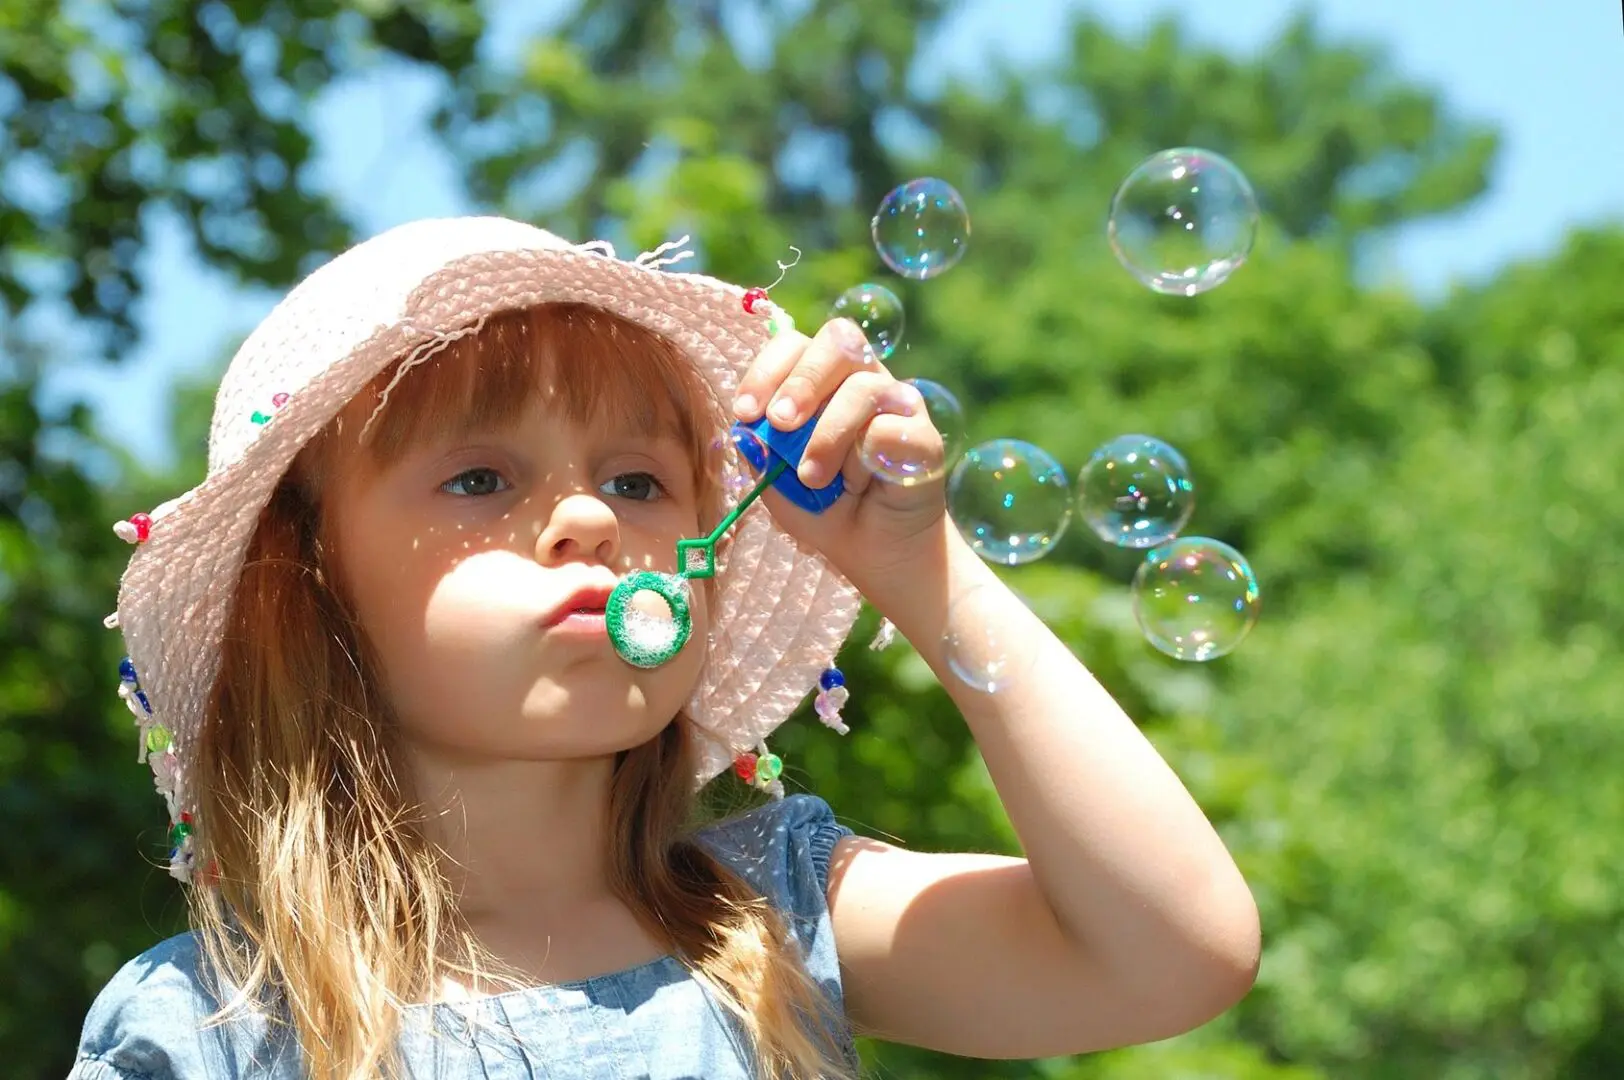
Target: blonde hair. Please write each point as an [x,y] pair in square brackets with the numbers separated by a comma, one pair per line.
[326,899]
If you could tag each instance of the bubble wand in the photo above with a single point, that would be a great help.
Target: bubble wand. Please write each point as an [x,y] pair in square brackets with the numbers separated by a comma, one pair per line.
[633,637]
[644,641]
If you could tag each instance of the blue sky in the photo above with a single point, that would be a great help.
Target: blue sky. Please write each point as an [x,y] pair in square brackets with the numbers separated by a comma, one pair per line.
[1550,76]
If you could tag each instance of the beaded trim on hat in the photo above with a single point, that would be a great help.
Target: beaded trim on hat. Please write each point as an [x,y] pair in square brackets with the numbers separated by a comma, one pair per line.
[156,747]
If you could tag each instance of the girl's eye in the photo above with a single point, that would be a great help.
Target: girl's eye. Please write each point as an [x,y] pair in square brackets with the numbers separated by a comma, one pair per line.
[480,481]
[638,486]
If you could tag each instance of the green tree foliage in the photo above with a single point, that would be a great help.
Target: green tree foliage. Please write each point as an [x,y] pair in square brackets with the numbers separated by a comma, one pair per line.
[1411,755]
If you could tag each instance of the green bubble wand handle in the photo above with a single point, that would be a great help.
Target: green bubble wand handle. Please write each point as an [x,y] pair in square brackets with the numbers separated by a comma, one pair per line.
[647,643]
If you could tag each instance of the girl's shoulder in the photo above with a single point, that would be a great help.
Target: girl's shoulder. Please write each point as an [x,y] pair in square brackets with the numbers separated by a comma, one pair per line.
[782,850]
[148,1023]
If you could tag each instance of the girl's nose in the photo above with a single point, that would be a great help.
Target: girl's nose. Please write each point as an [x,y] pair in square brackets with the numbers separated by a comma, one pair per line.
[581,528]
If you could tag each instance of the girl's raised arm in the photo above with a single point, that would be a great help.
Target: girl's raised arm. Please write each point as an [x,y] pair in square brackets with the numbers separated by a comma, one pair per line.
[1128,922]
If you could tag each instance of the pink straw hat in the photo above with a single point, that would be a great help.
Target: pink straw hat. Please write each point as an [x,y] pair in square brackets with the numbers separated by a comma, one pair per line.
[782,612]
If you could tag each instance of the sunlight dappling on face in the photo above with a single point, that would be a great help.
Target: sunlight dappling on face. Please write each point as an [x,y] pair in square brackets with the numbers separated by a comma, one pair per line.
[480,539]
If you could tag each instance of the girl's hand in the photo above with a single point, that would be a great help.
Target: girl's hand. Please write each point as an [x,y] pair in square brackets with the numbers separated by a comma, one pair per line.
[878,527]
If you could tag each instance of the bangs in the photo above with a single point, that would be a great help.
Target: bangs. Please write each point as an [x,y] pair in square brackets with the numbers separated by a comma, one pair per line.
[593,366]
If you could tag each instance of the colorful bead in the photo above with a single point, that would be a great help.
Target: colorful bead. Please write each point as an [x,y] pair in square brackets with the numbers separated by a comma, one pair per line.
[780,323]
[179,833]
[157,739]
[135,530]
[832,678]
[146,706]
[126,670]
[259,417]
[752,297]
[279,399]
[745,766]
[769,768]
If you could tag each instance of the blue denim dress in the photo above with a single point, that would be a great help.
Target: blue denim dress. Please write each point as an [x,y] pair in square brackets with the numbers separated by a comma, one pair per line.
[652,1021]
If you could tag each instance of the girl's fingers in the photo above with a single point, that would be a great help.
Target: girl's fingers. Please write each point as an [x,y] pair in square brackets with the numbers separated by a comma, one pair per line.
[900,445]
[767,372]
[864,396]
[838,350]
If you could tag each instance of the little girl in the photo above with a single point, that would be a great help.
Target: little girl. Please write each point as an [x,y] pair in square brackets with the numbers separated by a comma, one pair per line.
[433,825]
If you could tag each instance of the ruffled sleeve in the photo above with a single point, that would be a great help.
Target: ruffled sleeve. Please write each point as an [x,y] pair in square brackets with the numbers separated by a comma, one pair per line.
[783,850]
[148,1023]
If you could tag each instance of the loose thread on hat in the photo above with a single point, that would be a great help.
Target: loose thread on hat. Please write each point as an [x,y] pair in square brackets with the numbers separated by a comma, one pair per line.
[428,349]
[653,260]
[784,268]
[757,301]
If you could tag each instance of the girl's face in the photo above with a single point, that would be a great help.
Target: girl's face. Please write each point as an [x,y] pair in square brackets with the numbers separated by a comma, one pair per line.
[464,556]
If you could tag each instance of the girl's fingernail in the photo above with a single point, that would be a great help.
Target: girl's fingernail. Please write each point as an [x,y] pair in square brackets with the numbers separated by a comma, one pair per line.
[745,407]
[783,409]
[810,474]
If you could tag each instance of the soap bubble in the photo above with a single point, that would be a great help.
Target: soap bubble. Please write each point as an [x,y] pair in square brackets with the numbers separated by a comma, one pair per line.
[946,415]
[1183,221]
[907,465]
[921,228]
[1011,500]
[977,652]
[1195,598]
[751,450]
[877,310]
[1135,492]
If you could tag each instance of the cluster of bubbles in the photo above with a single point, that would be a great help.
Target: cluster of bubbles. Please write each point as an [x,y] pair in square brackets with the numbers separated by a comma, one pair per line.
[1181,223]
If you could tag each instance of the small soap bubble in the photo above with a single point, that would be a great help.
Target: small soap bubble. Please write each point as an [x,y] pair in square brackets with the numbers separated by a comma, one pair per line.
[979,654]
[753,456]
[1183,221]
[921,229]
[1011,500]
[946,415]
[1195,598]
[1135,492]
[878,311]
[901,462]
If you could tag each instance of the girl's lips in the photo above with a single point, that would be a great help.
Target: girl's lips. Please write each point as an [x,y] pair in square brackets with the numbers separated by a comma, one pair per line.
[590,624]
[588,602]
